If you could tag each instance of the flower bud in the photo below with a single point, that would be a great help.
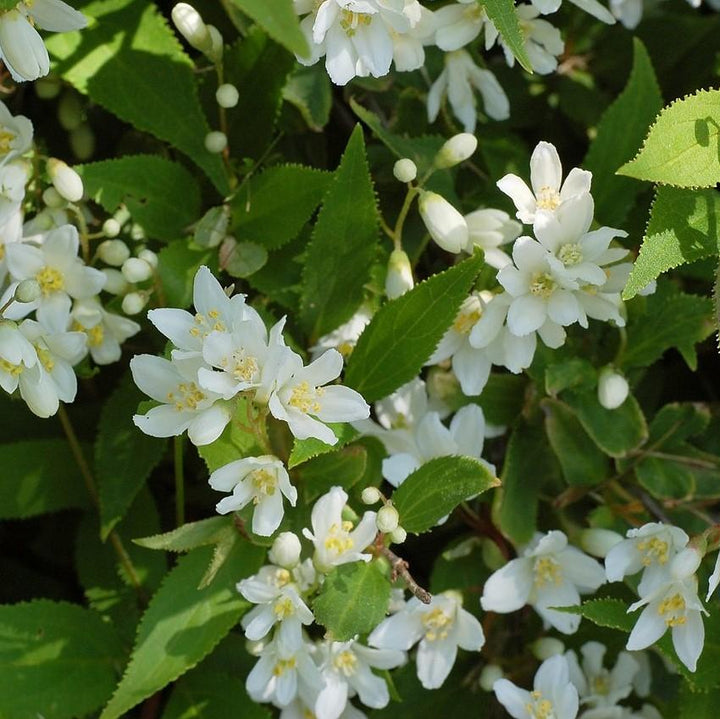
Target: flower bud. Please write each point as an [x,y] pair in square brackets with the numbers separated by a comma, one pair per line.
[133,303]
[546,647]
[111,227]
[227,95]
[215,52]
[399,278]
[191,26]
[136,270]
[456,150]
[115,283]
[137,232]
[27,291]
[66,181]
[371,495]
[113,252]
[82,142]
[148,256]
[489,675]
[387,519]
[613,388]
[51,197]
[70,111]
[285,550]
[398,536]
[599,542]
[215,142]
[444,223]
[405,170]
[47,88]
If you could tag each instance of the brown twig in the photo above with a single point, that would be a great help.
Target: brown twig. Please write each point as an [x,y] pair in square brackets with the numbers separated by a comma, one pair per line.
[400,568]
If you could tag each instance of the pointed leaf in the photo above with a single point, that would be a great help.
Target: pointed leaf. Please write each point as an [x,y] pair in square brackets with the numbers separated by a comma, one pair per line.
[189,536]
[279,20]
[503,15]
[304,449]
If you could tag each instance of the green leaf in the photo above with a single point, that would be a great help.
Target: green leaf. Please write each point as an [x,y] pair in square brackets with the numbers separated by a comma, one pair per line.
[697,704]
[162,196]
[304,449]
[435,489]
[616,431]
[529,464]
[353,600]
[619,133]
[681,148]
[611,613]
[682,228]
[124,456]
[242,259]
[503,15]
[279,20]
[272,208]
[666,479]
[182,623]
[581,460]
[130,62]
[503,397]
[343,468]
[39,476]
[404,332]
[177,266]
[57,660]
[310,91]
[569,374]
[343,244]
[189,536]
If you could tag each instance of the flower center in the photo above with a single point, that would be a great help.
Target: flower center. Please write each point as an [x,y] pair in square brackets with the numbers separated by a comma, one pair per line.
[10,368]
[281,578]
[306,399]
[467,319]
[46,359]
[345,349]
[346,662]
[188,397]
[204,324]
[570,254]
[245,366]
[437,624]
[653,550]
[338,539]
[350,21]
[474,13]
[547,198]
[540,708]
[283,608]
[542,285]
[6,138]
[672,610]
[264,482]
[547,571]
[600,684]
[283,665]
[50,280]
[95,335]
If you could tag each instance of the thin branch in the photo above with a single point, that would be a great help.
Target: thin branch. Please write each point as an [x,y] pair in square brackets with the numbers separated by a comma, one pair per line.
[400,568]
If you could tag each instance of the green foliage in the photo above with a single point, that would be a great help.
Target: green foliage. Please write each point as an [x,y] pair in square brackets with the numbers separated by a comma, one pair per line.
[57,659]
[405,332]
[681,148]
[610,613]
[310,91]
[177,266]
[569,374]
[182,623]
[304,449]
[343,244]
[279,20]
[619,133]
[435,489]
[343,468]
[682,228]
[190,535]
[162,196]
[502,399]
[130,62]
[503,15]
[353,600]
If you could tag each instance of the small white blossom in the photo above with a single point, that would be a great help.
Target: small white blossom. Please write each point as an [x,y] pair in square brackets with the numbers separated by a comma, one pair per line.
[458,24]
[105,331]
[444,223]
[16,134]
[345,337]
[488,229]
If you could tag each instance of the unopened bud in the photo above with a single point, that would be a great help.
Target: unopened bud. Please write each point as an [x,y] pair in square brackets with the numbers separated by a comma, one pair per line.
[613,388]
[255,647]
[215,142]
[456,150]
[191,26]
[113,252]
[444,223]
[136,270]
[387,519]
[371,495]
[489,675]
[398,536]
[27,291]
[82,142]
[599,542]
[227,95]
[133,303]
[148,256]
[399,278]
[70,111]
[217,44]
[285,550]
[546,647]
[115,283]
[51,197]
[405,170]
[137,232]
[47,88]
[66,181]
[111,227]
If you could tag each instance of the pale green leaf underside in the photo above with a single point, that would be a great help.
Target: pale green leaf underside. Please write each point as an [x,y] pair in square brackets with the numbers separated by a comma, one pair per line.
[505,19]
[279,20]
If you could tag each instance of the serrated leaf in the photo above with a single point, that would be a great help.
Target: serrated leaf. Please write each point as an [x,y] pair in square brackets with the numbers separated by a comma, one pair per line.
[696,704]
[177,265]
[502,398]
[242,259]
[279,20]
[404,332]
[682,228]
[506,21]
[342,248]
[435,489]
[182,623]
[305,449]
[353,600]
[272,208]
[611,613]
[39,476]
[343,468]
[620,131]
[569,374]
[681,148]
[57,660]
[124,456]
[189,536]
[130,62]
[310,91]
[162,196]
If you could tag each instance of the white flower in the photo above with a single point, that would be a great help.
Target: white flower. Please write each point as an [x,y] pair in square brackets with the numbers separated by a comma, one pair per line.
[301,400]
[628,12]
[347,670]
[335,540]
[613,388]
[673,604]
[488,229]
[16,134]
[18,358]
[105,331]
[548,190]
[13,178]
[444,223]
[714,580]
[553,695]
[184,406]
[300,710]
[345,337]
[458,24]
[590,6]
[459,80]
[441,627]
[548,573]
[260,480]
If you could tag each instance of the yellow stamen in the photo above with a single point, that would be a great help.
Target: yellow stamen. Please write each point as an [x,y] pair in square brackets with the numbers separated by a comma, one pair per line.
[10,368]
[653,550]
[548,199]
[338,539]
[542,285]
[190,397]
[570,254]
[306,399]
[50,280]
[547,571]
[350,21]
[346,662]
[672,610]
[264,482]
[283,665]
